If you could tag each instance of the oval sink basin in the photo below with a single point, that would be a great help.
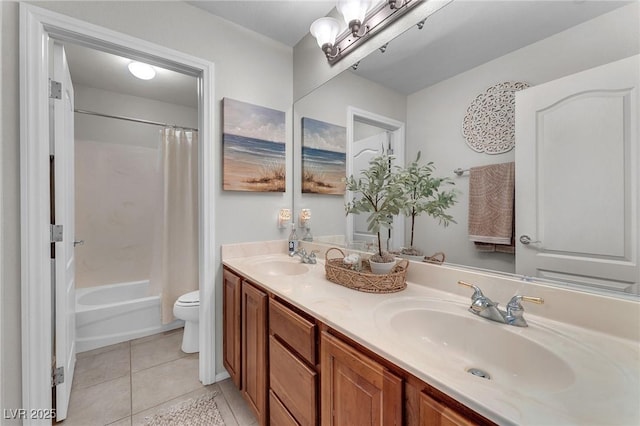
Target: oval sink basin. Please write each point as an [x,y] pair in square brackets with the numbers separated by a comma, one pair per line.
[281,267]
[510,355]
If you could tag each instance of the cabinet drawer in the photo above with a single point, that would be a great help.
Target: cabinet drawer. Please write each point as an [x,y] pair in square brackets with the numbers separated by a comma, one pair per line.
[433,413]
[296,331]
[278,414]
[293,383]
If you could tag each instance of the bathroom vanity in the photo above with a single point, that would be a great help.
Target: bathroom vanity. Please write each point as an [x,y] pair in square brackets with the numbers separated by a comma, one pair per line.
[303,350]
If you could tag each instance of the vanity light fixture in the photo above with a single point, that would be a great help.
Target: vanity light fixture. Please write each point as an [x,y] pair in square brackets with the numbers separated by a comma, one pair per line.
[284,218]
[353,12]
[363,18]
[305,218]
[142,71]
[325,30]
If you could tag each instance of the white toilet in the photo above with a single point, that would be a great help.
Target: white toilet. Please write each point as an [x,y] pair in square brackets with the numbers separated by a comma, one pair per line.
[187,308]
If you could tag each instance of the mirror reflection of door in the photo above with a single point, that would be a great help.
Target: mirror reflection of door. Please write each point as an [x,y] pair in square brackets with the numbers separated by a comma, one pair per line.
[364,150]
[368,136]
[576,200]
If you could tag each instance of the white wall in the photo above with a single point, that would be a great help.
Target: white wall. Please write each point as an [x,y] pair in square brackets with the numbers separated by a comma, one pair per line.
[117,182]
[101,129]
[435,114]
[248,67]
[329,104]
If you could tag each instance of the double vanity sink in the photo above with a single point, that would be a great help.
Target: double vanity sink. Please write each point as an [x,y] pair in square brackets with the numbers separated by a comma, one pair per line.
[444,331]
[550,372]
[276,267]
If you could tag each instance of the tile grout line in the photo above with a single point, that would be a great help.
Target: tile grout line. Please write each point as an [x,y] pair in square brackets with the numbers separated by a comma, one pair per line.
[233,412]
[157,365]
[130,383]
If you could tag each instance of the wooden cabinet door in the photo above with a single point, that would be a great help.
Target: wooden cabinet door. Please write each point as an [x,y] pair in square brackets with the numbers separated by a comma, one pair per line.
[231,320]
[254,350]
[355,390]
[433,413]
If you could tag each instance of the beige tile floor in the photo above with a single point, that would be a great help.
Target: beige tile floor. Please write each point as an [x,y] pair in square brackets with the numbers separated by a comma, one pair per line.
[124,383]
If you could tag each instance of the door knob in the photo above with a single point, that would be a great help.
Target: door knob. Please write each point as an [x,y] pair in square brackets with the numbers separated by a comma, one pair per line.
[78,243]
[526,240]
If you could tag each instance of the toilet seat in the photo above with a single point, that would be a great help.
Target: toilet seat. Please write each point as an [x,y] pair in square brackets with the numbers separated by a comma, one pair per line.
[189,299]
[187,308]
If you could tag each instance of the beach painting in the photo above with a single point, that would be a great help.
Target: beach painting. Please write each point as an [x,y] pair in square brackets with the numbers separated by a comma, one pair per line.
[323,157]
[253,144]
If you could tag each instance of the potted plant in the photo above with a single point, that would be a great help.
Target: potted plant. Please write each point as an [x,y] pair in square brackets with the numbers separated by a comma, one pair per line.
[423,193]
[378,194]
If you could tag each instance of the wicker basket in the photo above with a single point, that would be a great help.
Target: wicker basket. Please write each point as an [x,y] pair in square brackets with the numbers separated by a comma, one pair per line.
[364,280]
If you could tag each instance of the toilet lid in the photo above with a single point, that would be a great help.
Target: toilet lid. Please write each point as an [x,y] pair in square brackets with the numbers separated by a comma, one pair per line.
[190,298]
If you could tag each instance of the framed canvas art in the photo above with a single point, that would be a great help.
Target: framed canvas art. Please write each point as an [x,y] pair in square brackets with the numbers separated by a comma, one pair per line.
[323,157]
[253,144]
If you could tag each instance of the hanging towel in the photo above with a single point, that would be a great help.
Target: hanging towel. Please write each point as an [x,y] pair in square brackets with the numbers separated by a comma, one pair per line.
[491,206]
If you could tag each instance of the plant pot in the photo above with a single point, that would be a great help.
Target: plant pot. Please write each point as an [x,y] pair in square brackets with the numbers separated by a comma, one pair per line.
[381,268]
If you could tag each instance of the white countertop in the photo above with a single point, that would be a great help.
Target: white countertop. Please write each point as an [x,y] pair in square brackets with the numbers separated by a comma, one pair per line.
[600,385]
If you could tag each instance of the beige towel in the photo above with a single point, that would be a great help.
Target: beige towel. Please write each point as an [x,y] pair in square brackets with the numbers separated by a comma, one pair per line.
[491,205]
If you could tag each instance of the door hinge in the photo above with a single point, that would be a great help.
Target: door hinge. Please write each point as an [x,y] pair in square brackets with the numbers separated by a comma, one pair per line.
[57,376]
[56,233]
[390,151]
[55,89]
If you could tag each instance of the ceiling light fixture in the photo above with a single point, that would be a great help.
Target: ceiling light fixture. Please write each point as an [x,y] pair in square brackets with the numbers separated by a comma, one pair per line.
[142,71]
[363,18]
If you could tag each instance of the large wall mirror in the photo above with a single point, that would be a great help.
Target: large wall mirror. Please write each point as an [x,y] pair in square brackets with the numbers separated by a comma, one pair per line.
[427,77]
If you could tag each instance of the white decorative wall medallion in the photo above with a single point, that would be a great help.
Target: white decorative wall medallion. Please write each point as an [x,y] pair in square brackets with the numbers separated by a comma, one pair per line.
[489,125]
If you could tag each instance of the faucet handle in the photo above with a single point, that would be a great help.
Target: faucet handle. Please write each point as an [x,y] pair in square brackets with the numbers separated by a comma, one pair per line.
[515,301]
[464,283]
[481,304]
[477,293]
[515,310]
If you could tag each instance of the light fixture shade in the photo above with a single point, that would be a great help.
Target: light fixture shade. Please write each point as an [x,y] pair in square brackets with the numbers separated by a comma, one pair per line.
[142,71]
[325,30]
[353,10]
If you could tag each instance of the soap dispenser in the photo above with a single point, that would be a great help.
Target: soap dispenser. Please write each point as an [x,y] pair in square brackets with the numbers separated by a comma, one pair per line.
[307,235]
[293,239]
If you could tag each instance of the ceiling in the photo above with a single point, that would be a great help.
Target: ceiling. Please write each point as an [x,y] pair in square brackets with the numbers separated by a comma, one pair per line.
[460,36]
[285,21]
[466,34]
[94,68]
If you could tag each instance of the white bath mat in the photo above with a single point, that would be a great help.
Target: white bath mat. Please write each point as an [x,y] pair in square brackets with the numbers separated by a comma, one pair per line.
[201,411]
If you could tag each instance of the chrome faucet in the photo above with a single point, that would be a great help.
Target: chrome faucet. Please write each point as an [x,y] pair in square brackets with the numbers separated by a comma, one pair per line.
[304,257]
[484,307]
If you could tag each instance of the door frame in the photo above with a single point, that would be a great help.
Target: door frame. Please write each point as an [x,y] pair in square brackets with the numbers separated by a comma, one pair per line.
[2,297]
[36,26]
[397,129]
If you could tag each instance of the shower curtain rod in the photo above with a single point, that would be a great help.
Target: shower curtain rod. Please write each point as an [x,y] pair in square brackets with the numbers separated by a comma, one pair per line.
[135,120]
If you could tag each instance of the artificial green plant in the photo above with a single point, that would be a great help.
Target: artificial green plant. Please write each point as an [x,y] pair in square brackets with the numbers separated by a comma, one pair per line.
[378,194]
[423,193]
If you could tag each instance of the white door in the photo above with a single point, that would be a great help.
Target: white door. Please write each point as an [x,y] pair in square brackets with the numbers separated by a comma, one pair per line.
[577,177]
[359,153]
[63,214]
[363,151]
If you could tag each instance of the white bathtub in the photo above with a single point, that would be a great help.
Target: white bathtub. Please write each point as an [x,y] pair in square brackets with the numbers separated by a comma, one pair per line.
[117,313]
